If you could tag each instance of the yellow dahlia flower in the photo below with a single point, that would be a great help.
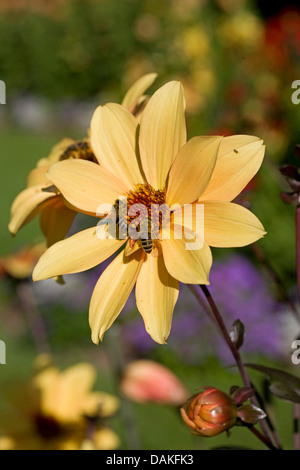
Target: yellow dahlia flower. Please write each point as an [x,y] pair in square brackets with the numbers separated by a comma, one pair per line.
[57,411]
[151,163]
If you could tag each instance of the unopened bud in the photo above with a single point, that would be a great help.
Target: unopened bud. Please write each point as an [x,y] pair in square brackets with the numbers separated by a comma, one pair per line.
[209,412]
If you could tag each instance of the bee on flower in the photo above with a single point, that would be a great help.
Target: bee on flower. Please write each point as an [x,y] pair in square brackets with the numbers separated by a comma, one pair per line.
[151,163]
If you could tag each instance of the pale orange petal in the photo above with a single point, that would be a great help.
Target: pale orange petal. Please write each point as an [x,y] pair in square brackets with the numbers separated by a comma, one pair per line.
[114,142]
[190,266]
[162,132]
[156,296]
[136,91]
[230,225]
[76,254]
[111,292]
[239,159]
[192,169]
[55,220]
[27,205]
[85,185]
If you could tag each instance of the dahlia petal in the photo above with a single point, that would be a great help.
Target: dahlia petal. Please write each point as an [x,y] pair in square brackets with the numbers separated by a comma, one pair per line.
[192,169]
[230,225]
[27,205]
[156,296]
[239,159]
[55,220]
[136,91]
[186,259]
[162,132]
[78,253]
[85,185]
[111,293]
[113,140]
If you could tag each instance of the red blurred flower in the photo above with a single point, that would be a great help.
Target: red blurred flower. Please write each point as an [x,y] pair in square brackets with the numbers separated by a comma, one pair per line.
[282,37]
[148,381]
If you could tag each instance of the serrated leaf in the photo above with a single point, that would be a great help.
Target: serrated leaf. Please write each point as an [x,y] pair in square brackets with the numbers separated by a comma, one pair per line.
[283,384]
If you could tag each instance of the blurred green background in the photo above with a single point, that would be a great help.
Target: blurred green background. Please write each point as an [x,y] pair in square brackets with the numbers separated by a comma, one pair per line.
[59,60]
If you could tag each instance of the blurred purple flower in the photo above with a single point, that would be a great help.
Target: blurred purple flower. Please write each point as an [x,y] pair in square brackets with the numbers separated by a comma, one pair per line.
[241,292]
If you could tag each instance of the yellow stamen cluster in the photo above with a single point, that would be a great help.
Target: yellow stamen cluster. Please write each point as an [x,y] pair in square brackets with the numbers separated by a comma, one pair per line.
[80,149]
[149,203]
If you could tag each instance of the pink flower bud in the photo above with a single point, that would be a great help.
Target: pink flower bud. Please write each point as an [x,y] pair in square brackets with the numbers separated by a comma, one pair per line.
[210,412]
[148,381]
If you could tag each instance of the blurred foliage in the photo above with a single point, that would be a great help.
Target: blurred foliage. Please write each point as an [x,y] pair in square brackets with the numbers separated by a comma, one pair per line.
[237,69]
[68,55]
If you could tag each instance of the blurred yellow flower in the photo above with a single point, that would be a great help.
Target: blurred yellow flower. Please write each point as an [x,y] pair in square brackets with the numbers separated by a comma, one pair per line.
[57,411]
[162,169]
[242,29]
[195,43]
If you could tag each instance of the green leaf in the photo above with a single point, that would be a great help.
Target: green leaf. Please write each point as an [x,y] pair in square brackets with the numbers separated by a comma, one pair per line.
[283,385]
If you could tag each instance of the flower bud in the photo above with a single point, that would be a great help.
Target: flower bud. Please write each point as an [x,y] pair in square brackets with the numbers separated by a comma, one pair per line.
[147,381]
[209,412]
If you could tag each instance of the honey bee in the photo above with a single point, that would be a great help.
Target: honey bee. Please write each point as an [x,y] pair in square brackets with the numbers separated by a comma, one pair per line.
[80,150]
[147,245]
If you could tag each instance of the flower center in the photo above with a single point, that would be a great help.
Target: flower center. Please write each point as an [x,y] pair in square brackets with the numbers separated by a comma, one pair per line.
[78,150]
[47,426]
[141,214]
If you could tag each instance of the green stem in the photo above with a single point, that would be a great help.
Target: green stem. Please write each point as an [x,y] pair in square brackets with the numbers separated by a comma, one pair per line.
[262,438]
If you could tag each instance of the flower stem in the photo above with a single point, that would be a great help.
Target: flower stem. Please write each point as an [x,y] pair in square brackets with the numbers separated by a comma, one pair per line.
[226,336]
[268,420]
[236,355]
[262,438]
